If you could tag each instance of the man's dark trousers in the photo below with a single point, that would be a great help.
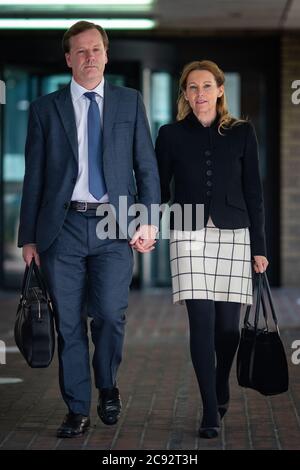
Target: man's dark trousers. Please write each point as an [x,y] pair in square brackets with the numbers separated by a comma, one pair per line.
[80,268]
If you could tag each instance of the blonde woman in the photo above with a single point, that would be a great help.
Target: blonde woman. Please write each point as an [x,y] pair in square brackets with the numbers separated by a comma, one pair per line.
[213,159]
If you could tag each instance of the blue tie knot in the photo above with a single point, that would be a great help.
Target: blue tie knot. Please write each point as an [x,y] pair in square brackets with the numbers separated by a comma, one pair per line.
[91,95]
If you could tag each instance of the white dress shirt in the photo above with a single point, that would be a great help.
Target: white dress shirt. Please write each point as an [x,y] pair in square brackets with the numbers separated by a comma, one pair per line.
[81,105]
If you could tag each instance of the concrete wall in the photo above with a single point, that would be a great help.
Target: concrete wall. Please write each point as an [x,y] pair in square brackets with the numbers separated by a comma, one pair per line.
[290,162]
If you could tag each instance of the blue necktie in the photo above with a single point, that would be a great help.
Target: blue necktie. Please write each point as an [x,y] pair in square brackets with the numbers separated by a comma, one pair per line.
[97,185]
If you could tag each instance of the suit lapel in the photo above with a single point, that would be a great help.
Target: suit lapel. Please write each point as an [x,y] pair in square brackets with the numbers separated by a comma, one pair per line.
[110,107]
[65,109]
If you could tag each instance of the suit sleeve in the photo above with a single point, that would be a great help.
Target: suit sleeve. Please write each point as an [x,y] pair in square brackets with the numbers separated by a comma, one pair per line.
[164,164]
[33,179]
[253,192]
[144,161]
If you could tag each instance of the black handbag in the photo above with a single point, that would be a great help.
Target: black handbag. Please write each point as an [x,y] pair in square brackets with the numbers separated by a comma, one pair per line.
[34,325]
[261,359]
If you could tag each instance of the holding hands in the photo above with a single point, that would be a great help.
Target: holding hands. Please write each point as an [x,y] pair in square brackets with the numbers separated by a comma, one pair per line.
[144,240]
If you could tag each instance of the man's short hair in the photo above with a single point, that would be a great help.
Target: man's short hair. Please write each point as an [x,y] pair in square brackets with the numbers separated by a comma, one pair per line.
[78,28]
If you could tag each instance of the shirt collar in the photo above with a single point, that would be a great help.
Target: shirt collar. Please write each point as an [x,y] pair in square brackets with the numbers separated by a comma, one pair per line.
[77,90]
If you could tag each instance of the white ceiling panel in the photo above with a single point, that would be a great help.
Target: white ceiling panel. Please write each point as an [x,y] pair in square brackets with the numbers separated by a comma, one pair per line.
[223,14]
[184,15]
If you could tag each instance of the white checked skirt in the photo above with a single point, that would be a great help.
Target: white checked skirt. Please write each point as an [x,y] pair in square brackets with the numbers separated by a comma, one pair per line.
[212,264]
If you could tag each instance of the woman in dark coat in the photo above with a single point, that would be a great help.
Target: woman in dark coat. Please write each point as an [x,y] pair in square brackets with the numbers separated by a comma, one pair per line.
[213,159]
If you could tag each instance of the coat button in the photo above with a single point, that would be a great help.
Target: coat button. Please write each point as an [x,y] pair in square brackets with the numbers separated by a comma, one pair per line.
[208,193]
[74,180]
[208,183]
[66,205]
[208,162]
[209,172]
[207,153]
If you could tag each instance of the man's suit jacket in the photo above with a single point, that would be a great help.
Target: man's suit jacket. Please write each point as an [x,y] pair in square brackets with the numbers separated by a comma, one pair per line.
[51,155]
[219,171]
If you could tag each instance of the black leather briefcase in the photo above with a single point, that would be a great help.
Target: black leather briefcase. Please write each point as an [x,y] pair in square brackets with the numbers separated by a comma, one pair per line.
[34,326]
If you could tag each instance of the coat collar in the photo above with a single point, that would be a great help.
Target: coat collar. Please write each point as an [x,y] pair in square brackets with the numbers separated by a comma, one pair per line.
[65,109]
[192,119]
[111,103]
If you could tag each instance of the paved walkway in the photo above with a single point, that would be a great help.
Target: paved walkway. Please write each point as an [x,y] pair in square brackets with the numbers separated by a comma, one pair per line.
[161,405]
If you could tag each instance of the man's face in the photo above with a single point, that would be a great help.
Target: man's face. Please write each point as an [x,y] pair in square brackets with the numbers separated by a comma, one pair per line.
[87,58]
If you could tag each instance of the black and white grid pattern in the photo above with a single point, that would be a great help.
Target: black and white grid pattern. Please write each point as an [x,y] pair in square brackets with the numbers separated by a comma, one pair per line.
[212,264]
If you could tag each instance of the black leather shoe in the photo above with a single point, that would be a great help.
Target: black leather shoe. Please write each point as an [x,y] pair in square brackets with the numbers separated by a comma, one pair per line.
[74,425]
[109,405]
[208,433]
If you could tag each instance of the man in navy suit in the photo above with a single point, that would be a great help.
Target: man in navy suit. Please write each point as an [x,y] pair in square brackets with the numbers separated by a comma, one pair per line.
[87,145]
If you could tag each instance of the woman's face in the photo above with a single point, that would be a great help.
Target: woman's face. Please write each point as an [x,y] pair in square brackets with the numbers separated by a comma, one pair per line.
[202,91]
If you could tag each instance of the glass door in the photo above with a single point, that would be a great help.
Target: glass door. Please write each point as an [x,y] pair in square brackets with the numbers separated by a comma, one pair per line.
[20,89]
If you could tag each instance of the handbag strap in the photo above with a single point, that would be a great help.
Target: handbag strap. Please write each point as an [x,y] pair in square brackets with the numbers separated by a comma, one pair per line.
[264,309]
[270,298]
[259,301]
[248,310]
[263,290]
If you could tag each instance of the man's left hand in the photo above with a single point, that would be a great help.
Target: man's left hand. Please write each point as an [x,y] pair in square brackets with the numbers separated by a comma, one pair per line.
[143,240]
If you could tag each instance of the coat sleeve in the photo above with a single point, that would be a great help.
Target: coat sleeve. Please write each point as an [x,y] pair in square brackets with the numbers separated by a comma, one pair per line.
[145,164]
[253,193]
[33,179]
[163,155]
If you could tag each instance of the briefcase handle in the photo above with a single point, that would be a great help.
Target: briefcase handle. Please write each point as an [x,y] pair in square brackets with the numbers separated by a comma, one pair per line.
[27,278]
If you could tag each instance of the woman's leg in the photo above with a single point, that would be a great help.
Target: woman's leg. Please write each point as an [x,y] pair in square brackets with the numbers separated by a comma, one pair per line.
[202,327]
[227,337]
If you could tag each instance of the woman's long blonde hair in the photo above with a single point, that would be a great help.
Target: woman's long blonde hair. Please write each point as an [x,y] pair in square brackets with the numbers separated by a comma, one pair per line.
[183,106]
